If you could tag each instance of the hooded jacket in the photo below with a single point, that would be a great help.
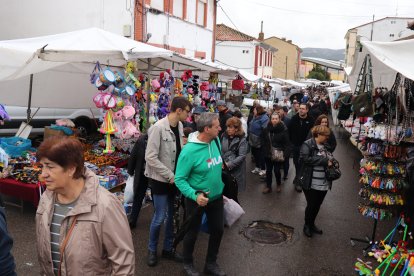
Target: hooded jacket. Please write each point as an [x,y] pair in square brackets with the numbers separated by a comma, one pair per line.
[101,241]
[199,169]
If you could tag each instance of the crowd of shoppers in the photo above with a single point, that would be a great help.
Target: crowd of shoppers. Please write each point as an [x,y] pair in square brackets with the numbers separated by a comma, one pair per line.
[82,229]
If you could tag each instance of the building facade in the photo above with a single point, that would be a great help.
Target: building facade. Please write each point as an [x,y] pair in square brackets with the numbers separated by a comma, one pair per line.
[306,66]
[46,17]
[183,26]
[244,52]
[287,58]
[385,29]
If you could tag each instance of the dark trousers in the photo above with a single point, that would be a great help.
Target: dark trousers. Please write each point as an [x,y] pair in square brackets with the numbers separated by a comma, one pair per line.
[314,199]
[276,167]
[286,166]
[139,195]
[214,211]
[296,155]
[259,158]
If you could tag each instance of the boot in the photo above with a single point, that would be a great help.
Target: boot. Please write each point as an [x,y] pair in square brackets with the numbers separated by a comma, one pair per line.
[316,230]
[307,231]
[172,255]
[213,269]
[152,258]
[267,190]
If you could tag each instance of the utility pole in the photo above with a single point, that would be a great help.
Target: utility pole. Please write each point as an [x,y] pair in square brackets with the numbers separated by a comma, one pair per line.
[286,67]
[372,25]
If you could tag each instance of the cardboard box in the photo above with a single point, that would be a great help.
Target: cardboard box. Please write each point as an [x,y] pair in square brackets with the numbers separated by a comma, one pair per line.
[49,132]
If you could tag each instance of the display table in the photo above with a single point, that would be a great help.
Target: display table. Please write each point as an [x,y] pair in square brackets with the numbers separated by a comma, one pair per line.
[23,191]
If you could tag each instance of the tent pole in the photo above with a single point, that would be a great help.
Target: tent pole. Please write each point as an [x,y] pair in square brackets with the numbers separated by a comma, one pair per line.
[148,92]
[30,99]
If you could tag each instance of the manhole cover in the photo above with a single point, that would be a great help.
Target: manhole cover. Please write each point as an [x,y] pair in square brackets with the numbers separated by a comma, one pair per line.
[268,232]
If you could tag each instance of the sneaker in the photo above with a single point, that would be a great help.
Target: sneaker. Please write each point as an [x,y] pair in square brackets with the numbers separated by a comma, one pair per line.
[298,189]
[189,270]
[262,173]
[152,259]
[267,190]
[213,269]
[278,188]
[172,255]
[256,170]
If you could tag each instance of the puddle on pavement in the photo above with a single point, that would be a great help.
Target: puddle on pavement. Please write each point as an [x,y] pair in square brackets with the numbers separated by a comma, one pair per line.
[267,232]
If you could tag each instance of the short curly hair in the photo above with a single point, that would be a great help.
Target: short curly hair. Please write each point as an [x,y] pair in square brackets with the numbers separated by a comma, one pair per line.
[236,123]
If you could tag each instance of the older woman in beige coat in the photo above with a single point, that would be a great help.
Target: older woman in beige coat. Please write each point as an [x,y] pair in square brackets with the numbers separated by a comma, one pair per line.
[81,228]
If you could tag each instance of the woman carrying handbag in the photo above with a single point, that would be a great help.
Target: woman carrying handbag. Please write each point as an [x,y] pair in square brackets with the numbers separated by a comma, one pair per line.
[276,149]
[234,147]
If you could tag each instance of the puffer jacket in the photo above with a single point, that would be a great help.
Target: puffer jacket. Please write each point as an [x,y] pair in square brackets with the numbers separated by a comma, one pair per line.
[101,241]
[308,159]
[161,151]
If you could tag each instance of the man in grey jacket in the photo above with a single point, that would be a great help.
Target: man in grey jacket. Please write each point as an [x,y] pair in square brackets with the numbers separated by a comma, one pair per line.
[165,140]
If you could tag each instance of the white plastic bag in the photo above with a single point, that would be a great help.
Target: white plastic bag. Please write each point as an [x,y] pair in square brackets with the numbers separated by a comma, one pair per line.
[232,211]
[129,190]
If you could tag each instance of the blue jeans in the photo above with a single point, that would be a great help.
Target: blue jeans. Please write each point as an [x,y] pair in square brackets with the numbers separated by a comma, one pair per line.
[163,211]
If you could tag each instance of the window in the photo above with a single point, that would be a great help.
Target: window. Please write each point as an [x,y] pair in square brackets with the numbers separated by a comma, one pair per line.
[201,12]
[391,35]
[393,21]
[178,8]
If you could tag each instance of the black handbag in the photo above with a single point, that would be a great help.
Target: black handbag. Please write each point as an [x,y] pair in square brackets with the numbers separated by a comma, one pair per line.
[231,188]
[333,172]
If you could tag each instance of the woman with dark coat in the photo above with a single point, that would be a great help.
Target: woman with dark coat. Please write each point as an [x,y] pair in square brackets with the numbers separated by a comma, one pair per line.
[136,168]
[323,120]
[234,147]
[276,135]
[315,158]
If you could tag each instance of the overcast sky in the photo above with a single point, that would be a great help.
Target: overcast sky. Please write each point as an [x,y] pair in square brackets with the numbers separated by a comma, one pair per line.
[308,23]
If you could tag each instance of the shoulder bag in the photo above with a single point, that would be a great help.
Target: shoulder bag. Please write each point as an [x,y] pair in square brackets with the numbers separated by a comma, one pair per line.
[277,155]
[333,172]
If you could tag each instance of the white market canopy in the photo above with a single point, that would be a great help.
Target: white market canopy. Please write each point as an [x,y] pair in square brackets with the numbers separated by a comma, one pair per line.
[388,58]
[22,57]
[397,55]
[61,65]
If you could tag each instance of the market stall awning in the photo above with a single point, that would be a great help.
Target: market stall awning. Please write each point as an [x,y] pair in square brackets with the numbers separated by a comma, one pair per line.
[292,83]
[61,65]
[397,55]
[22,57]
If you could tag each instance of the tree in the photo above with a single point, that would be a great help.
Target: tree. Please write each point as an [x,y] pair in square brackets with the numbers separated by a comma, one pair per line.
[319,73]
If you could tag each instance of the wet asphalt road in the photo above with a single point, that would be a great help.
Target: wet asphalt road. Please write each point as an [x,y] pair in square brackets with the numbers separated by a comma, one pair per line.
[327,254]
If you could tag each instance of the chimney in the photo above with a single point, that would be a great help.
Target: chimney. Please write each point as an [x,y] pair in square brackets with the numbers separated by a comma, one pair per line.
[261,34]
[283,38]
[290,41]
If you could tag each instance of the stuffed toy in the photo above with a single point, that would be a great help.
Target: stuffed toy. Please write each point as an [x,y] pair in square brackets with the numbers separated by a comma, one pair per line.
[155,84]
[128,112]
[129,130]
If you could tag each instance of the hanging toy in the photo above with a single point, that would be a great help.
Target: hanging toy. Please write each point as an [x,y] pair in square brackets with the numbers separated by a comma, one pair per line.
[108,124]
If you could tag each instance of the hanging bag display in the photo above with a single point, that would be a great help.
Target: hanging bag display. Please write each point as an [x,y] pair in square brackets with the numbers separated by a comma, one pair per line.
[237,84]
[333,172]
[362,104]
